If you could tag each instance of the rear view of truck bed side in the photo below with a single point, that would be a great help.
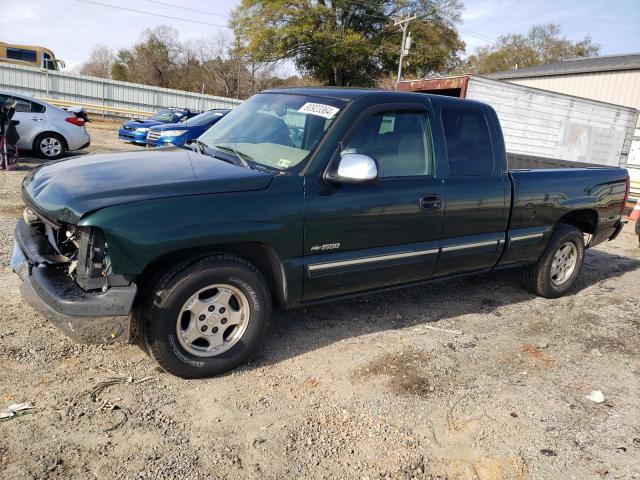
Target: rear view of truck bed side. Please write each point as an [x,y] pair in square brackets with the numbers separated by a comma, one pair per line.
[588,198]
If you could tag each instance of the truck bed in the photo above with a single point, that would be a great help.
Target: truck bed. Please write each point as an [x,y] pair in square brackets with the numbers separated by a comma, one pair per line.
[541,195]
[517,161]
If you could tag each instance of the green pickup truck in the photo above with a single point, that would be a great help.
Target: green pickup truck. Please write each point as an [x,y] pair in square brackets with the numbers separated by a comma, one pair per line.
[297,196]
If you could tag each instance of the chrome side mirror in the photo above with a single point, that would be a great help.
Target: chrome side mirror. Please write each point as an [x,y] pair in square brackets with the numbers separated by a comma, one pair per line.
[354,168]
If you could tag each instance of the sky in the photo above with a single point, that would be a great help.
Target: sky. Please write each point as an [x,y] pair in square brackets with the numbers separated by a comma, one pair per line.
[72,27]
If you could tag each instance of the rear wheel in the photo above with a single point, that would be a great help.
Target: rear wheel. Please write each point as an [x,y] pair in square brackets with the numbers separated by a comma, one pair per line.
[559,265]
[50,146]
[206,317]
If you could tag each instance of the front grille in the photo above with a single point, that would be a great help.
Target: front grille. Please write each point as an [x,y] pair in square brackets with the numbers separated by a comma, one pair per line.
[154,134]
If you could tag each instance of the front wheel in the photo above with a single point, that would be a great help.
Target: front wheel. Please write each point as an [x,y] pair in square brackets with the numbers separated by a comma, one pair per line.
[559,265]
[206,317]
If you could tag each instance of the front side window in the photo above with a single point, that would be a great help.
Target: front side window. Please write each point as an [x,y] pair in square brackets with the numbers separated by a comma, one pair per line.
[400,142]
[22,104]
[468,142]
[275,129]
[48,62]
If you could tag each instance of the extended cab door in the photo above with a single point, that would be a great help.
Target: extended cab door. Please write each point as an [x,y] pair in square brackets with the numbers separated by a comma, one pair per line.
[365,236]
[477,191]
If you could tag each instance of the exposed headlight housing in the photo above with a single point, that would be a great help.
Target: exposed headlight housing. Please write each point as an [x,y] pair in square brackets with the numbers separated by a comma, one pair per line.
[29,216]
[142,129]
[93,259]
[172,133]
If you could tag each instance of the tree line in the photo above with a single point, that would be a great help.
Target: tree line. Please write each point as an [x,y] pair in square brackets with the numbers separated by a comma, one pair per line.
[330,42]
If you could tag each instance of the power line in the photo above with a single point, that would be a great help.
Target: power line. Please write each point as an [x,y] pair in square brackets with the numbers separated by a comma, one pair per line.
[166,4]
[480,36]
[170,17]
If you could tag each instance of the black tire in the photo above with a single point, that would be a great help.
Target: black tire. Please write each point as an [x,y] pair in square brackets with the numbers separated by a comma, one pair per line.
[170,293]
[538,277]
[57,146]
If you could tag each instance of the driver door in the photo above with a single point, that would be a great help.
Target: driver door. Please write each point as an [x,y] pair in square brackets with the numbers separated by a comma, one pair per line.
[373,235]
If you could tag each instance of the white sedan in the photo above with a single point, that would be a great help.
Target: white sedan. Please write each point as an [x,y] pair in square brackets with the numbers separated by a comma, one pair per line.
[45,129]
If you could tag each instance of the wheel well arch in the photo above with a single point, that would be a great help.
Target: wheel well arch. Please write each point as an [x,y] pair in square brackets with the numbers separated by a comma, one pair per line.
[262,256]
[585,219]
[36,139]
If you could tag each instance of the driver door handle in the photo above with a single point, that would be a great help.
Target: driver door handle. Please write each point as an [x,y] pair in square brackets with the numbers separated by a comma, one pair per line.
[431,202]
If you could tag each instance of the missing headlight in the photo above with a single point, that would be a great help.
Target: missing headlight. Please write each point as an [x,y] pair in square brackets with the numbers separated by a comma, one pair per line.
[91,269]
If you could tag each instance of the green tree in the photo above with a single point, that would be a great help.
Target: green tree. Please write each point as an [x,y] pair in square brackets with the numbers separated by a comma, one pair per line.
[346,42]
[542,44]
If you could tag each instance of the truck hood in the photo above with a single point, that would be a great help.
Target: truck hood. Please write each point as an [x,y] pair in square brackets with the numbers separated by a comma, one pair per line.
[64,191]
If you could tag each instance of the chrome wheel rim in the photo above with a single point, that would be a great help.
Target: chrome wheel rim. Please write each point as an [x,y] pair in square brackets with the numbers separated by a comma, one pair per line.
[51,147]
[564,263]
[213,320]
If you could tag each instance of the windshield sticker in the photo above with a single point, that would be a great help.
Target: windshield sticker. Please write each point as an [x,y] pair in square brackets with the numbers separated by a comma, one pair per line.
[326,111]
[284,163]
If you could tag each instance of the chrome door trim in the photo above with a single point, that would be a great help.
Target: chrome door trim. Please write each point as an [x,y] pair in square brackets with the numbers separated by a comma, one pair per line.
[515,238]
[463,246]
[363,260]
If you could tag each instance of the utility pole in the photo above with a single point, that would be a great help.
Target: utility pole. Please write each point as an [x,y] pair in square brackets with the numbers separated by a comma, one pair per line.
[403,23]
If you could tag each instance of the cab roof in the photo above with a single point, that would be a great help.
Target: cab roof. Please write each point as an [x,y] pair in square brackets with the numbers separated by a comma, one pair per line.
[342,93]
[350,93]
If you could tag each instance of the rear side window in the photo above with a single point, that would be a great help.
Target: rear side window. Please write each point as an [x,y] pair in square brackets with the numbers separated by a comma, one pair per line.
[22,54]
[468,142]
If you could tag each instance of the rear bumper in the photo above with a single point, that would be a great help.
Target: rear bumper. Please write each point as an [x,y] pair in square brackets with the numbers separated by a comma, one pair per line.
[78,139]
[101,317]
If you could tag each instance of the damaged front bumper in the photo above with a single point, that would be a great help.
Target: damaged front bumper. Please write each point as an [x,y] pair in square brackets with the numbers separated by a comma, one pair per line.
[87,317]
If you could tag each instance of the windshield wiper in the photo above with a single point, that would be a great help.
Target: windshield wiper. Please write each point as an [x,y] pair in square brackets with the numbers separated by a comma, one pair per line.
[204,149]
[239,156]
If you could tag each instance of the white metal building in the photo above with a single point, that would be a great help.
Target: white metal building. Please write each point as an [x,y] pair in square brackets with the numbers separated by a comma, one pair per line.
[612,78]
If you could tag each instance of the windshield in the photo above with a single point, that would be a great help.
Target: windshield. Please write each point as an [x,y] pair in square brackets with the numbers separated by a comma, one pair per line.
[204,118]
[167,116]
[275,129]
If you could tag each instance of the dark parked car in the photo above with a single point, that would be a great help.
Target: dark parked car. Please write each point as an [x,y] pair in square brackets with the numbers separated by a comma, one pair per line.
[176,134]
[135,131]
[296,197]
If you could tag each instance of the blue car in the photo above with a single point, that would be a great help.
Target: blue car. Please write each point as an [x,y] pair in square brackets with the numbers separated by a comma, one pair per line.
[182,132]
[135,131]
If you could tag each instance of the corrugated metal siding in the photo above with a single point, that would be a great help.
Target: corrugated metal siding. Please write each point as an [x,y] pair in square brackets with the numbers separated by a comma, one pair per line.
[551,125]
[37,82]
[633,165]
[621,88]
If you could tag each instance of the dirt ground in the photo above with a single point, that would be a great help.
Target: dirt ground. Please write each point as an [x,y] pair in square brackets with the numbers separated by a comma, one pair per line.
[359,389]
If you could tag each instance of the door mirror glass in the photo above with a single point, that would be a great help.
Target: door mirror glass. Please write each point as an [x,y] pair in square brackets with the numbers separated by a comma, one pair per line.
[354,168]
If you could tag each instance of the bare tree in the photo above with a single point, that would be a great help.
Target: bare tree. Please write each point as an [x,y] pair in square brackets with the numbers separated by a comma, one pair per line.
[219,65]
[100,62]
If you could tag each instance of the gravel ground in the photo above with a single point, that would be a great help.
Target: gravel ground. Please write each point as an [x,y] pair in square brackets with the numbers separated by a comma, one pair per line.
[361,389]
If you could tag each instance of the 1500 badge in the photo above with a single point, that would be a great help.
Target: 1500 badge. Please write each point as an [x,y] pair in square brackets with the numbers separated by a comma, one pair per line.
[326,246]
